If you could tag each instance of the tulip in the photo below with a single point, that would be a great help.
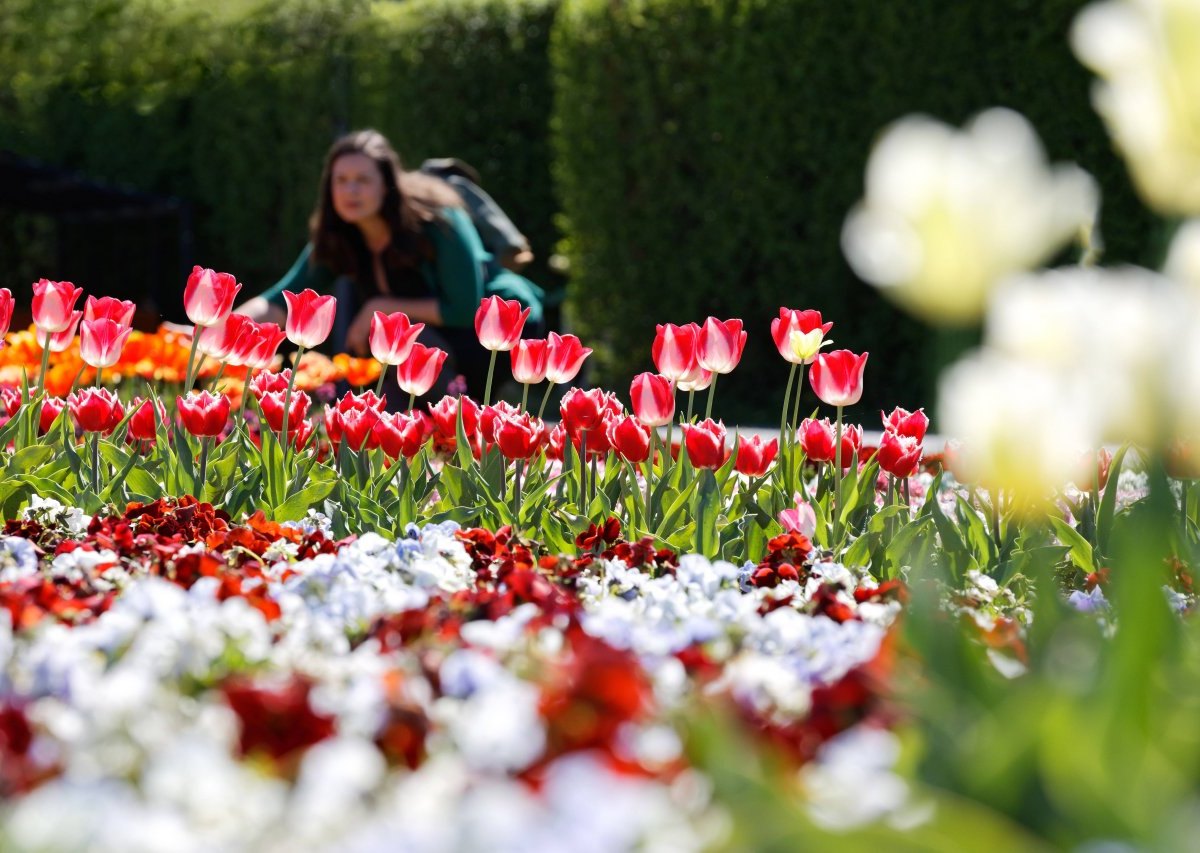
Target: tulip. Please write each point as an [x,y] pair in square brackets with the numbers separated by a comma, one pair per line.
[6,311]
[566,355]
[817,439]
[904,422]
[445,414]
[790,322]
[61,341]
[674,350]
[120,311]
[597,439]
[257,345]
[271,404]
[309,318]
[203,414]
[519,436]
[1094,468]
[392,336]
[653,399]
[837,377]
[101,342]
[353,425]
[420,370]
[490,417]
[208,297]
[96,409]
[705,443]
[629,438]
[222,341]
[499,322]
[800,519]
[53,306]
[899,454]
[530,357]
[51,407]
[556,442]
[719,345]
[754,456]
[583,410]
[298,437]
[400,434]
[11,398]
[267,382]
[143,424]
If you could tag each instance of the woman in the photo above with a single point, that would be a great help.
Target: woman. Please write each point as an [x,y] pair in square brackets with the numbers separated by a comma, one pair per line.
[382,239]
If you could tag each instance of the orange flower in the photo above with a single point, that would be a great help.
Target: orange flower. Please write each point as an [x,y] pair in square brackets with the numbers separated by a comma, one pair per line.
[315,370]
[359,372]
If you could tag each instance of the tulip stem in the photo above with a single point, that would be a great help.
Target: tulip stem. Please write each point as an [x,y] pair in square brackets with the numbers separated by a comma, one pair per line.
[379,385]
[99,374]
[517,493]
[188,378]
[545,399]
[582,468]
[712,387]
[650,477]
[45,363]
[787,398]
[203,478]
[524,395]
[412,399]
[785,456]
[487,389]
[795,424]
[691,397]
[837,480]
[287,405]
[96,463]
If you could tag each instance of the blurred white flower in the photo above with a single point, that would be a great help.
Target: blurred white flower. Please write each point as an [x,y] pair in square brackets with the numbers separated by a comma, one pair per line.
[1147,54]
[852,784]
[1183,257]
[947,213]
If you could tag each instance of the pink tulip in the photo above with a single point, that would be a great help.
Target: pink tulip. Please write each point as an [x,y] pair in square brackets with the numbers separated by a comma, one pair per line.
[801,519]
[101,342]
[421,369]
[519,436]
[220,341]
[61,341]
[908,423]
[817,439]
[674,350]
[566,356]
[653,399]
[791,320]
[498,323]
[208,297]
[96,409]
[583,410]
[400,434]
[6,311]
[309,318]
[53,307]
[120,311]
[257,345]
[393,336]
[697,380]
[143,425]
[719,345]
[530,358]
[837,377]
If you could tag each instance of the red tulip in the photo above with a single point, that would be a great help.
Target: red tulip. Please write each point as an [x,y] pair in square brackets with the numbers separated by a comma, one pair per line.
[309,317]
[490,417]
[907,423]
[393,336]
[566,356]
[530,358]
[400,434]
[583,410]
[898,454]
[53,306]
[61,341]
[698,379]
[674,350]
[203,414]
[445,418]
[421,369]
[142,425]
[6,310]
[257,345]
[268,381]
[1091,464]
[555,443]
[791,320]
[299,436]
[630,438]
[754,457]
[271,404]
[96,409]
[353,425]
[51,406]
[519,436]
[498,323]
[653,399]
[208,297]
[101,342]
[705,443]
[597,439]
[11,399]
[837,377]
[817,439]
[719,345]
[219,341]
[120,311]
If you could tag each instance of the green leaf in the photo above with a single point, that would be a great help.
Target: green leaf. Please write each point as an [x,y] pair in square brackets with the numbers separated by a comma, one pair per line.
[705,512]
[1078,548]
[1108,501]
[296,506]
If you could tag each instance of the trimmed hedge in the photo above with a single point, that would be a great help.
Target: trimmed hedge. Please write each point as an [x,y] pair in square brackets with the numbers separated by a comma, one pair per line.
[707,152]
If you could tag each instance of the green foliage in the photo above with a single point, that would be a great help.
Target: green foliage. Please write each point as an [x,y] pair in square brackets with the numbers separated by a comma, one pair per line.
[707,153]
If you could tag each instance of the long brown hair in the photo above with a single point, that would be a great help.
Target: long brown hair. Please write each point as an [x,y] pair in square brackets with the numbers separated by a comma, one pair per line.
[410,200]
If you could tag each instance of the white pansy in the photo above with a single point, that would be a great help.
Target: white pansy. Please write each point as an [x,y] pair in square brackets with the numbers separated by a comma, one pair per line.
[1147,55]
[948,213]
[852,782]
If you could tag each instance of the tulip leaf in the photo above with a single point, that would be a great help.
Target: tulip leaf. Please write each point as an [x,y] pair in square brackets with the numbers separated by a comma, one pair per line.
[1078,548]
[117,482]
[28,459]
[141,481]
[1108,501]
[296,506]
[978,539]
[704,513]
[677,506]
[911,544]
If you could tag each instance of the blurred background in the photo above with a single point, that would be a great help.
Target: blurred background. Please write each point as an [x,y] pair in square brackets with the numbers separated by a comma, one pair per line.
[675,158]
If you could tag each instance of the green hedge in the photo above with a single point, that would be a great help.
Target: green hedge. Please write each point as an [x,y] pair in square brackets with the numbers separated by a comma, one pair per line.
[232,105]
[707,152]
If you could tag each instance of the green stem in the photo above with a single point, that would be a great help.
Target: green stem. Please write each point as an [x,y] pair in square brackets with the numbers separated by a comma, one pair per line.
[517,493]
[246,392]
[691,397]
[712,387]
[96,463]
[837,480]
[545,399]
[287,403]
[217,379]
[45,363]
[379,385]
[582,469]
[412,400]
[189,378]
[668,458]
[649,479]
[99,373]
[487,389]
[204,444]
[524,395]
[796,402]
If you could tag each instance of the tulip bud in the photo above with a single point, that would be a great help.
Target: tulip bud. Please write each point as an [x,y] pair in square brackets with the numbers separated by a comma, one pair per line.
[582,410]
[101,342]
[310,317]
[257,345]
[61,341]
[754,457]
[120,311]
[791,321]
[271,404]
[898,454]
[817,439]
[6,311]
[208,297]
[143,425]
[800,519]
[519,436]
[719,345]
[530,358]
[674,350]
[400,434]
[805,346]
[629,438]
[905,422]
[51,407]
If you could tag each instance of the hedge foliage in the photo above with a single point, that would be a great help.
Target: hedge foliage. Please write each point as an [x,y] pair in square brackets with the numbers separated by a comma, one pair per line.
[707,152]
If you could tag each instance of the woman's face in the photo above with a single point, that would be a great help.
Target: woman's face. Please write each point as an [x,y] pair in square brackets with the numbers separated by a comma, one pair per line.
[357,187]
